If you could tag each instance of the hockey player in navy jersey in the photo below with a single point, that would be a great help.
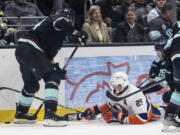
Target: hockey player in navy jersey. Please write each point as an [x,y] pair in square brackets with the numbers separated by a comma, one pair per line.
[172,57]
[35,53]
[157,72]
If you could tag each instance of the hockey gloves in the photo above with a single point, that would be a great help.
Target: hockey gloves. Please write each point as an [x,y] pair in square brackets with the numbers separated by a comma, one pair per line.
[154,70]
[90,113]
[111,116]
[79,38]
[59,71]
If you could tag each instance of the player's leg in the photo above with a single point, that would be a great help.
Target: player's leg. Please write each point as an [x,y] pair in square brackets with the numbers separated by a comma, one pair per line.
[167,95]
[52,80]
[174,105]
[25,59]
[31,86]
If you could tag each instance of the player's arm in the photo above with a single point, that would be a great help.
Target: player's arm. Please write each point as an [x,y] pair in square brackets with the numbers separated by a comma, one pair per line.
[75,36]
[155,32]
[91,112]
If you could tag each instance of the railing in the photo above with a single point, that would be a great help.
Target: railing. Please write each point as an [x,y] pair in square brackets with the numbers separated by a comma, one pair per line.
[19,26]
[17,22]
[99,45]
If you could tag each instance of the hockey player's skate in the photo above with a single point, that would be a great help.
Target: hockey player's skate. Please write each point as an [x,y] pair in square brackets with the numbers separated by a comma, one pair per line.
[24,118]
[171,123]
[51,119]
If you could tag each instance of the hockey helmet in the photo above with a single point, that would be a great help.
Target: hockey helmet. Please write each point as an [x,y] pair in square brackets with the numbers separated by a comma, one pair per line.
[69,13]
[119,81]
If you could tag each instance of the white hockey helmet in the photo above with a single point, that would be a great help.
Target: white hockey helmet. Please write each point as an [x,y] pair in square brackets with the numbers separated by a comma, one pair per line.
[119,78]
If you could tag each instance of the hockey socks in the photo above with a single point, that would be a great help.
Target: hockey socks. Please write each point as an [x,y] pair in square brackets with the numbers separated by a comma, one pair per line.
[51,99]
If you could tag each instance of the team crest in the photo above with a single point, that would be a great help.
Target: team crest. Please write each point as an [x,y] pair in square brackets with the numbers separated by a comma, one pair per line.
[164,27]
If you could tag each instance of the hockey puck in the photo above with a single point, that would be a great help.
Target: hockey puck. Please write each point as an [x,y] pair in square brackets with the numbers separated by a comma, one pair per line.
[7,122]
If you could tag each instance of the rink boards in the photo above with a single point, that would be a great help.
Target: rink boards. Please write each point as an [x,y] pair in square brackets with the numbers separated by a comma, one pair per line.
[88,75]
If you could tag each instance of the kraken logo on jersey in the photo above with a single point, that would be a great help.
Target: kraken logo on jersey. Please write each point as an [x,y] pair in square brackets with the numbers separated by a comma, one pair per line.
[169,33]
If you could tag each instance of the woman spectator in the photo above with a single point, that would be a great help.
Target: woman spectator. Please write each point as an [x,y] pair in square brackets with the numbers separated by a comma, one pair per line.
[95,27]
[129,30]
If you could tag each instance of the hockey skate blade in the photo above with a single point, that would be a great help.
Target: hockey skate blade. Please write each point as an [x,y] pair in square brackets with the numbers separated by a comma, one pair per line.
[170,129]
[52,123]
[24,121]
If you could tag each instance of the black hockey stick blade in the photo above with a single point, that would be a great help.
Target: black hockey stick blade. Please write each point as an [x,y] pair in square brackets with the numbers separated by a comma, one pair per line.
[117,99]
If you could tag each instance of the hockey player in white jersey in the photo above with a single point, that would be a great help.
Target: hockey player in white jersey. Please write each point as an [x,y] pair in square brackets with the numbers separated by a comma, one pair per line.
[136,109]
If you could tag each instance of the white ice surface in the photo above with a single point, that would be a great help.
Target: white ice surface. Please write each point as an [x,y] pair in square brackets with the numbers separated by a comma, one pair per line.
[85,128]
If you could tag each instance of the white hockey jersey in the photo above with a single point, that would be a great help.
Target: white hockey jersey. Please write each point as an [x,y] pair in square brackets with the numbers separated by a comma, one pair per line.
[137,107]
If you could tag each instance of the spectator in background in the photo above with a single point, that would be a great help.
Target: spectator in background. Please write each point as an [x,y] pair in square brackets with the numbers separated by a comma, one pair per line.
[21,8]
[95,27]
[129,30]
[119,12]
[155,12]
[160,28]
[78,7]
[106,10]
[6,34]
[142,9]
[46,6]
[50,7]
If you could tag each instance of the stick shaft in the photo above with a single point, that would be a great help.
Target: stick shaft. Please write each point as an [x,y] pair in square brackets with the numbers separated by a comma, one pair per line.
[71,56]
[11,89]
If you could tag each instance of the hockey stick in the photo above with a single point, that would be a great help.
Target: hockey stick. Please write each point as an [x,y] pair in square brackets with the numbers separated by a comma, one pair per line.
[143,82]
[117,99]
[71,56]
[6,88]
[64,67]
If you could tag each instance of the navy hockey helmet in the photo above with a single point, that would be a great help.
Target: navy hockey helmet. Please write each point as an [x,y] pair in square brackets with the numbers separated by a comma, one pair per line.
[69,13]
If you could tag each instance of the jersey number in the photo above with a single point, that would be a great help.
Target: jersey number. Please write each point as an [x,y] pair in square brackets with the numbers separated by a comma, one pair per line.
[139,102]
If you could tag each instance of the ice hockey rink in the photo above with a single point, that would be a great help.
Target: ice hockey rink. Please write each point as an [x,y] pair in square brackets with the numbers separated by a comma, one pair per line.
[77,127]
[85,128]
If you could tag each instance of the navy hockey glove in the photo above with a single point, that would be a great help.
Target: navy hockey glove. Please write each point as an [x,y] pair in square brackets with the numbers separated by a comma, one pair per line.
[59,71]
[79,38]
[90,113]
[154,70]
